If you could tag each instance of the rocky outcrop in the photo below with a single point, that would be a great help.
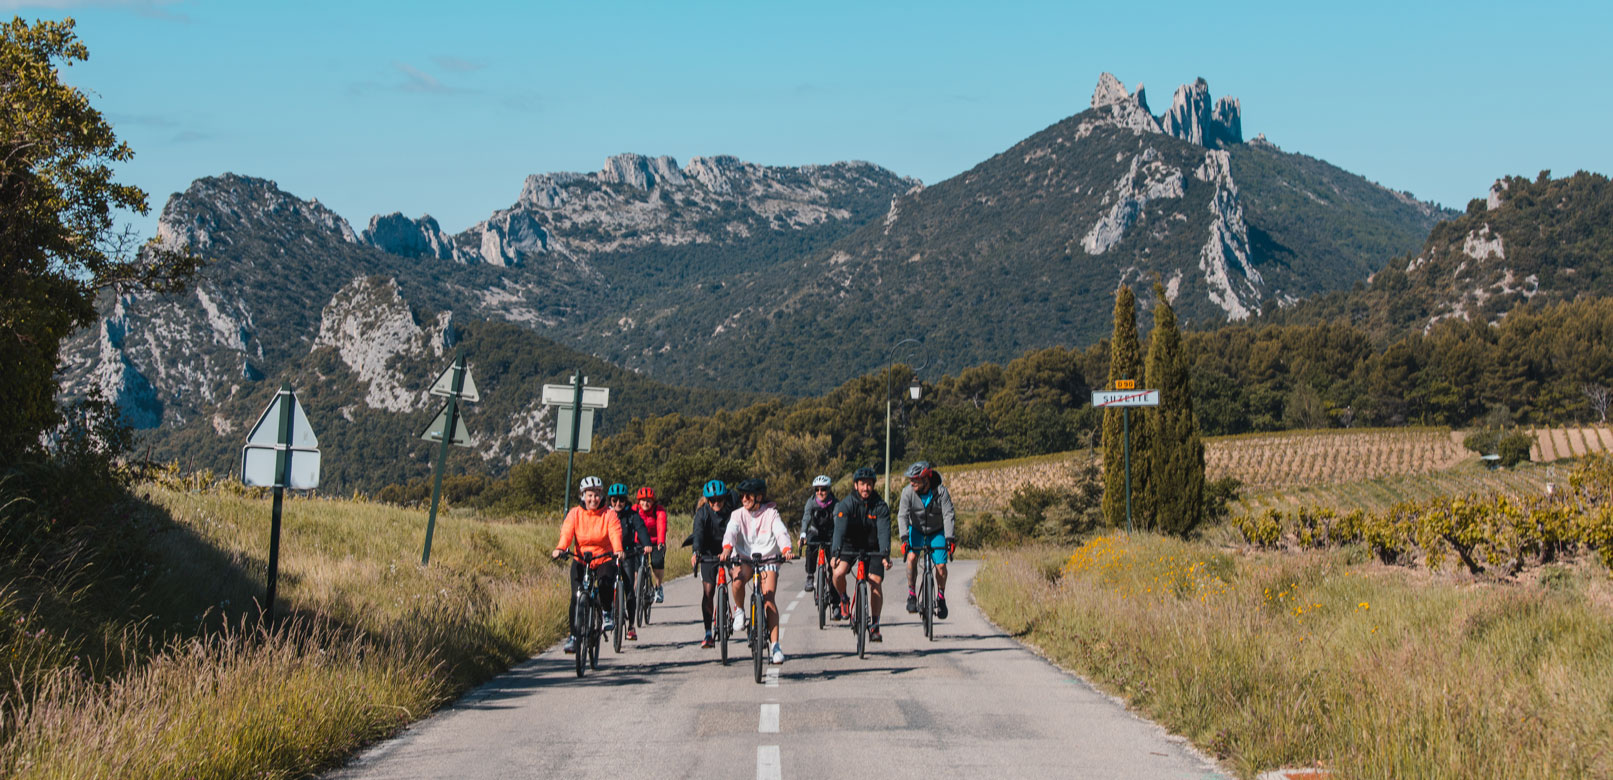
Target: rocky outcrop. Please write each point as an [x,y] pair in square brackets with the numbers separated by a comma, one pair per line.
[1193,118]
[1497,195]
[1234,283]
[213,209]
[369,325]
[399,235]
[637,170]
[1481,244]
[1147,179]
[1118,108]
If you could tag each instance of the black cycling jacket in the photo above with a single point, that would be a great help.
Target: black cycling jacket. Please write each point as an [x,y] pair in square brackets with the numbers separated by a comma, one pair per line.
[709,525]
[862,526]
[818,522]
[635,534]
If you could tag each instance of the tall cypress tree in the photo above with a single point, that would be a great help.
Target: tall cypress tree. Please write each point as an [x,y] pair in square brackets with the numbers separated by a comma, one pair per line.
[1125,362]
[1177,459]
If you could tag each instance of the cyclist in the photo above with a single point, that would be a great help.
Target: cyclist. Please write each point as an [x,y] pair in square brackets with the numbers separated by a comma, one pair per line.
[594,529]
[654,516]
[924,519]
[710,523]
[862,525]
[755,527]
[817,527]
[635,542]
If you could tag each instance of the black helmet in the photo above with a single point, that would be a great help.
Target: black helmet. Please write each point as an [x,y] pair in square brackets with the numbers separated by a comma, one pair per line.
[754,486]
[862,474]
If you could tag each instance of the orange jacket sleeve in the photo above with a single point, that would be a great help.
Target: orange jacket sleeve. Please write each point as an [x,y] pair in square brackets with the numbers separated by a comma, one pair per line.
[568,530]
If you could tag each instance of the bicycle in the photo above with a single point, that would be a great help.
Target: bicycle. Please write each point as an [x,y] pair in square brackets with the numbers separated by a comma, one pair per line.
[719,608]
[862,598]
[644,587]
[618,614]
[756,626]
[927,587]
[589,614]
[821,583]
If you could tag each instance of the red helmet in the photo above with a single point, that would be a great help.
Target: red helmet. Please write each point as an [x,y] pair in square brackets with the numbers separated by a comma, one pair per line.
[646,492]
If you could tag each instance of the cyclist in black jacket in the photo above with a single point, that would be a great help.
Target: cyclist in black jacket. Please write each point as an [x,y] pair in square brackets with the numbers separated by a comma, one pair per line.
[636,541]
[817,526]
[863,525]
[710,521]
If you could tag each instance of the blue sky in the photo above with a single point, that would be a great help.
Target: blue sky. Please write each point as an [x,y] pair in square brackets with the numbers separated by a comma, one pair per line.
[441,108]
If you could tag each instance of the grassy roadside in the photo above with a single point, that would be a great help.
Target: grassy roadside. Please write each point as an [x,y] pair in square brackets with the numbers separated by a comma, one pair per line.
[1275,659]
[184,686]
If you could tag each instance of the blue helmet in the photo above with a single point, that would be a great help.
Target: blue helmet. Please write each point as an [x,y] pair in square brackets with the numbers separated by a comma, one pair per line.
[617,489]
[714,489]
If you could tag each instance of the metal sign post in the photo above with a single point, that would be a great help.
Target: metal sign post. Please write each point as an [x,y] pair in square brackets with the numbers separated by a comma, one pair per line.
[281,451]
[1125,398]
[448,428]
[575,434]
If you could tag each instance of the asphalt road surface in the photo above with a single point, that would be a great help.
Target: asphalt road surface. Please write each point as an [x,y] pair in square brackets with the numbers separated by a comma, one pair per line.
[973,703]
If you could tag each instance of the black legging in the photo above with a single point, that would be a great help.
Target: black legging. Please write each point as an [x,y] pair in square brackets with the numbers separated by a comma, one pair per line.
[606,574]
[629,577]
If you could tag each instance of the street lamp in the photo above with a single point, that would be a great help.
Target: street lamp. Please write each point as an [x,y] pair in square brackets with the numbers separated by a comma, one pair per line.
[913,390]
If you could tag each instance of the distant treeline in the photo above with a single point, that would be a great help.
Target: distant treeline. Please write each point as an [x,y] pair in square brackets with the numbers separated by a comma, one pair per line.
[1533,368]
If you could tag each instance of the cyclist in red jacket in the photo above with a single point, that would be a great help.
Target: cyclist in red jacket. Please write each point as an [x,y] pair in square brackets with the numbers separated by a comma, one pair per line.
[655,519]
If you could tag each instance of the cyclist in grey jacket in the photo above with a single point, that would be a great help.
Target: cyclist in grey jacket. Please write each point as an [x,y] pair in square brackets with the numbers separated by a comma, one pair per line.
[924,518]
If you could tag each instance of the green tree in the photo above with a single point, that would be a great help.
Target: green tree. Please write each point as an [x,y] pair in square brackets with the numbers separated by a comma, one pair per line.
[1125,362]
[1176,482]
[58,244]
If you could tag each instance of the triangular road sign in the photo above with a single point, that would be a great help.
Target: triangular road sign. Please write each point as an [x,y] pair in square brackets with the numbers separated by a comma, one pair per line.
[267,429]
[444,385]
[434,430]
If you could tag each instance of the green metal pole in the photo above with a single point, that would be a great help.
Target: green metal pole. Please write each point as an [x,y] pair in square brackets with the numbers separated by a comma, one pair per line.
[576,422]
[282,477]
[442,451]
[1125,424]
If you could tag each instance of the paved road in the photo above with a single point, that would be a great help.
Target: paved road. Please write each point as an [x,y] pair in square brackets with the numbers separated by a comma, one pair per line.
[974,703]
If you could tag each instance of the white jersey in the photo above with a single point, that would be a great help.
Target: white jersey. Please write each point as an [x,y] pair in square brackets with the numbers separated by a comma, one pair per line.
[762,532]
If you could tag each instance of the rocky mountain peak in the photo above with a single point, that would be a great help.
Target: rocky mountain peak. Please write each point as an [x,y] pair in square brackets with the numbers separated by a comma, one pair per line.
[215,207]
[399,235]
[1193,118]
[1118,108]
[637,170]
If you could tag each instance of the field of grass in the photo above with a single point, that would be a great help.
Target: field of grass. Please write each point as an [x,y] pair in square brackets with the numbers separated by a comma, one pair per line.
[1270,660]
[1377,494]
[188,686]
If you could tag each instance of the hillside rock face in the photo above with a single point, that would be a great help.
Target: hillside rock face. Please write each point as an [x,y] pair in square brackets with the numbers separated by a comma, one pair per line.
[399,235]
[1195,120]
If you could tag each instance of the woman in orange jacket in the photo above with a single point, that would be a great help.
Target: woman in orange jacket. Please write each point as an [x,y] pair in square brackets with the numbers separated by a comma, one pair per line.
[593,528]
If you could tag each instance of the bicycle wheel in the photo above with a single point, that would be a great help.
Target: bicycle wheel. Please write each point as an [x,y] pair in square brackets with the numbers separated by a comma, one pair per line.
[819,587]
[722,618]
[618,615]
[646,593]
[580,620]
[927,600]
[758,628]
[860,617]
[597,633]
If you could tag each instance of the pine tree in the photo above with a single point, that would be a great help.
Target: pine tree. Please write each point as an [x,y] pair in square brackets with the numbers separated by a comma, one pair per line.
[1125,362]
[1176,460]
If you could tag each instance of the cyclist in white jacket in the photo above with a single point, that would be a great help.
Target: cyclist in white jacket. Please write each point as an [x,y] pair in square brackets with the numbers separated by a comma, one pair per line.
[755,527]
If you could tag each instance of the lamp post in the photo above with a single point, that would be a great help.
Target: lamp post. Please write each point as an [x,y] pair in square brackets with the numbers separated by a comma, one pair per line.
[913,389]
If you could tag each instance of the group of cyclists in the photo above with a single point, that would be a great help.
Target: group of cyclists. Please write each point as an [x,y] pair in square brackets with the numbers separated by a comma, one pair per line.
[610,533]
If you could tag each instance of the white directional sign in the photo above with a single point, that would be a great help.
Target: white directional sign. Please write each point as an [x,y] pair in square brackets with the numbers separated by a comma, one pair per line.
[1101,398]
[444,385]
[563,395]
[258,457]
[434,430]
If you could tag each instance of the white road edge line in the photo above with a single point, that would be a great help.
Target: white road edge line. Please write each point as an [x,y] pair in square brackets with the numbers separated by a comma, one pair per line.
[791,607]
[769,766]
[769,720]
[784,618]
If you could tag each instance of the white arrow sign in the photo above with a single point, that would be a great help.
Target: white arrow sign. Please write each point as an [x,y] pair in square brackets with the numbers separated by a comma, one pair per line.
[258,457]
[444,385]
[1102,398]
[563,395]
[434,430]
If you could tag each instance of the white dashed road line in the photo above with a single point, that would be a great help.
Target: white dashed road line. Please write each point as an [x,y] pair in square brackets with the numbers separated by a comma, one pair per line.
[769,720]
[770,679]
[769,766]
[784,618]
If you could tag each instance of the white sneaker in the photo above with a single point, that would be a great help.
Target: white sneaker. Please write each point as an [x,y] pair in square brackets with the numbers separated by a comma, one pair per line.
[778,654]
[739,620]
[659,596]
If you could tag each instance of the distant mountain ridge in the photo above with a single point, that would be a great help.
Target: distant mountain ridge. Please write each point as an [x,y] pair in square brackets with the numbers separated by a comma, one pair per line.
[727,275]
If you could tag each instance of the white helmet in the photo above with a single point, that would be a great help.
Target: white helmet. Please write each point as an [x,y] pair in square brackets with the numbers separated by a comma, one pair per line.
[590,483]
[822,480]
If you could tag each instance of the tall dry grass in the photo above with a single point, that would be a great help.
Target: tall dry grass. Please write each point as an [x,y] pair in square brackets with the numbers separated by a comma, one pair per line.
[372,640]
[1271,660]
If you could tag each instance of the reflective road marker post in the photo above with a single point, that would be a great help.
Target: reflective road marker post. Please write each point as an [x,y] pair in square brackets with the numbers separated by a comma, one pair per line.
[1126,398]
[449,428]
[280,452]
